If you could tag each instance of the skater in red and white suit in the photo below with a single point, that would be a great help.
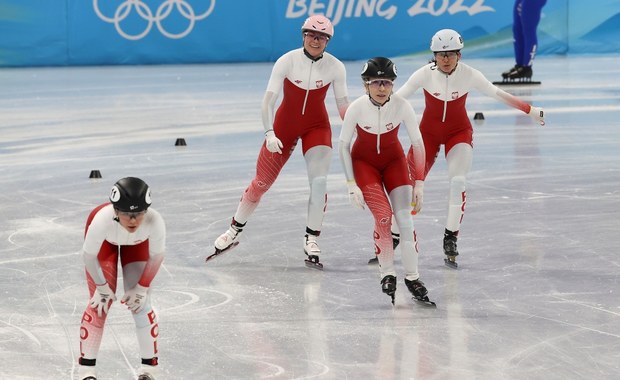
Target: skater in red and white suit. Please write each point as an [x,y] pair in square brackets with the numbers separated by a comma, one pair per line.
[125,229]
[303,76]
[376,169]
[446,83]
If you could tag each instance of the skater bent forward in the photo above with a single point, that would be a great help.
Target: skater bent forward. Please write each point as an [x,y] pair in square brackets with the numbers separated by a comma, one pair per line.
[125,229]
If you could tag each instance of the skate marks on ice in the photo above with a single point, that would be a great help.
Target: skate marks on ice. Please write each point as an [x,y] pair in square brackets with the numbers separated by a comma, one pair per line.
[535,297]
[268,367]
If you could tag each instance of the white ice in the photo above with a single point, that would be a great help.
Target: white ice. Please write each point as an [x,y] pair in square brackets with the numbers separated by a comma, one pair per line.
[536,296]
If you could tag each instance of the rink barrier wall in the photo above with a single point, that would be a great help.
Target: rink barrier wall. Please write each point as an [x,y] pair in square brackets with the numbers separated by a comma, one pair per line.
[112,32]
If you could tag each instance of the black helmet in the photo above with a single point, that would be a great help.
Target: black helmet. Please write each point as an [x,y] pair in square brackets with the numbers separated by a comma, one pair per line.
[130,194]
[379,67]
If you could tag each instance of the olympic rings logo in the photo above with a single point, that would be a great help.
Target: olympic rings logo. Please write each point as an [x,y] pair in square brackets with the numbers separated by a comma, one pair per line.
[125,9]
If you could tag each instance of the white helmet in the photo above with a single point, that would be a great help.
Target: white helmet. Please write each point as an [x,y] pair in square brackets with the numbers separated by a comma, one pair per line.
[446,40]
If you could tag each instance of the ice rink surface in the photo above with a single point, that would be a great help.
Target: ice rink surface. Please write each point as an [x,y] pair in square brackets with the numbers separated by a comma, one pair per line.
[536,296]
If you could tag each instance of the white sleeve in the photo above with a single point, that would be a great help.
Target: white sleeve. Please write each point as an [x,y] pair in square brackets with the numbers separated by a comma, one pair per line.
[344,143]
[341,92]
[269,102]
[482,84]
[278,74]
[95,236]
[157,237]
[411,122]
[413,130]
[413,83]
[274,87]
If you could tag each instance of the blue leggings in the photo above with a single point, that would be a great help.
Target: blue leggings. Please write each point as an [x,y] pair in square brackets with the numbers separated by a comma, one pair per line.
[526,15]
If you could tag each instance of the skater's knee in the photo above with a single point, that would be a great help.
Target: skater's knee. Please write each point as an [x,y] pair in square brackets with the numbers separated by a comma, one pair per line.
[146,317]
[318,188]
[257,188]
[408,247]
[458,181]
[405,224]
[90,317]
[457,185]
[383,222]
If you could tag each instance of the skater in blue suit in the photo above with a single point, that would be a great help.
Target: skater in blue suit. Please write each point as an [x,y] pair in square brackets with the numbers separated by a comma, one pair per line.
[526,16]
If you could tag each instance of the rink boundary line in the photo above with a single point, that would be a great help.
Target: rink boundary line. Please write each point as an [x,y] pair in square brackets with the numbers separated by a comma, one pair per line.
[26,259]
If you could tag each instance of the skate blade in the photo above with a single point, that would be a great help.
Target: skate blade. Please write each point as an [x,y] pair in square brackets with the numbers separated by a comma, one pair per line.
[451,264]
[313,265]
[425,301]
[374,260]
[509,82]
[221,251]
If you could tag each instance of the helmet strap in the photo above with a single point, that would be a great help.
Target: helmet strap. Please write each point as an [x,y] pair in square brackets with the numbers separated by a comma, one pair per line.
[115,218]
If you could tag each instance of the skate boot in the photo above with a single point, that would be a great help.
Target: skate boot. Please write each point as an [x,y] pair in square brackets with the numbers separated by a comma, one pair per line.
[147,372]
[522,73]
[507,73]
[449,248]
[395,242]
[86,372]
[388,286]
[419,292]
[312,250]
[228,240]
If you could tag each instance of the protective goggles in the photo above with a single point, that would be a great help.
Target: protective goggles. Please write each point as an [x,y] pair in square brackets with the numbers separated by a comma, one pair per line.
[316,36]
[446,54]
[376,83]
[131,215]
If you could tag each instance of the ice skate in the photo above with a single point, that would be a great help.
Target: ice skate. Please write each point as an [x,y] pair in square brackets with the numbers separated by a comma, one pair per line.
[395,242]
[419,291]
[86,372]
[228,240]
[518,75]
[147,372]
[507,73]
[388,286]
[522,72]
[449,249]
[312,250]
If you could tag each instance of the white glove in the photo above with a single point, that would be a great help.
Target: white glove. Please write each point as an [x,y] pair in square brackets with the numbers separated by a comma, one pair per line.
[355,195]
[537,114]
[102,298]
[418,196]
[274,145]
[135,298]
